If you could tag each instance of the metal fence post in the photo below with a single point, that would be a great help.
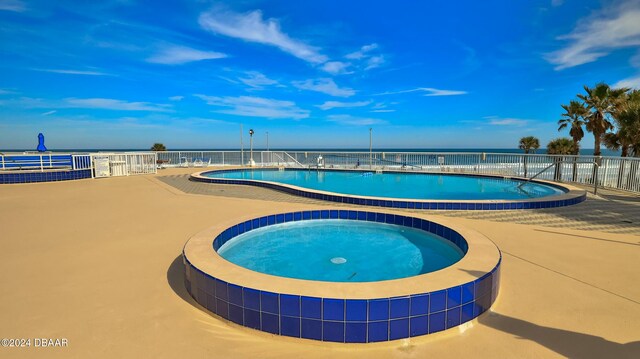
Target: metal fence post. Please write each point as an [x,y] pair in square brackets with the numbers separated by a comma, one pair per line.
[596,170]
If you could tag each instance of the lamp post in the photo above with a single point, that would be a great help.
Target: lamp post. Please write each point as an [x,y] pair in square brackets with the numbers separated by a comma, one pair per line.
[370,149]
[241,148]
[268,154]
[251,161]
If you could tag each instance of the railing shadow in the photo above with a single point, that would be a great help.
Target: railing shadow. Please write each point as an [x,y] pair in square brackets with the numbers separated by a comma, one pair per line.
[564,342]
[598,211]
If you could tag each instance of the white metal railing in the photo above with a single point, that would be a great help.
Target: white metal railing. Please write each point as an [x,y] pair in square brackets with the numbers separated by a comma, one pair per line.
[81,162]
[223,158]
[131,163]
[613,172]
[35,161]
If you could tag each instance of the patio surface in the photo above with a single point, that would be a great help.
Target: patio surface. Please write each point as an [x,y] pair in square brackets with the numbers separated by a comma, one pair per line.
[98,262]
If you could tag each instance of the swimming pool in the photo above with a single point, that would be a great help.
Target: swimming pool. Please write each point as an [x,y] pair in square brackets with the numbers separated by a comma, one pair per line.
[338,250]
[342,311]
[404,189]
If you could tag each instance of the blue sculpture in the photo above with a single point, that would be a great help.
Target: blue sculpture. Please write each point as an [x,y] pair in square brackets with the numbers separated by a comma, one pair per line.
[41,147]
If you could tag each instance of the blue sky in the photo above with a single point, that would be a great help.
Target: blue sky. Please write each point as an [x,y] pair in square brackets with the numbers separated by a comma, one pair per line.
[313,74]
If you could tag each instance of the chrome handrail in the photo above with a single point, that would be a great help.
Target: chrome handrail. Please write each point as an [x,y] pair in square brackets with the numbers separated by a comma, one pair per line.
[595,181]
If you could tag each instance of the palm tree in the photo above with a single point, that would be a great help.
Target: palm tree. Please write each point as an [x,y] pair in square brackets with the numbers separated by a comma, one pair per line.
[560,146]
[627,136]
[158,147]
[629,132]
[627,119]
[611,140]
[528,144]
[573,117]
[602,102]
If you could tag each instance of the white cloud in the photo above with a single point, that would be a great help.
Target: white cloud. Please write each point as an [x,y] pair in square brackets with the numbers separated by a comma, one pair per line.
[363,52]
[253,28]
[257,81]
[49,113]
[112,104]
[336,68]
[631,82]
[13,5]
[75,72]
[337,104]
[365,58]
[176,98]
[398,92]
[598,35]
[256,107]
[498,121]
[91,103]
[355,121]
[6,92]
[178,55]
[430,91]
[374,61]
[324,85]
[381,111]
[557,2]
[437,92]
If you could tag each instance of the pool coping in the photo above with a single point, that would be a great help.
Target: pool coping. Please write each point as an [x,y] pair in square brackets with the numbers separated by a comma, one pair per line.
[482,255]
[573,195]
[355,312]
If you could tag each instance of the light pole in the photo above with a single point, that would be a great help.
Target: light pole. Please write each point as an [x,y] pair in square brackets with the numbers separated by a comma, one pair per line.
[370,149]
[251,161]
[268,154]
[241,148]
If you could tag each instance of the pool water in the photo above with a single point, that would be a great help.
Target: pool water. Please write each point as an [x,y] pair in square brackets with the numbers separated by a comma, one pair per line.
[399,185]
[340,251]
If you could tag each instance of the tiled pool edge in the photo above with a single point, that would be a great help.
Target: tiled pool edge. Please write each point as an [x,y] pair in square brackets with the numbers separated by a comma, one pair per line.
[571,197]
[337,319]
[47,176]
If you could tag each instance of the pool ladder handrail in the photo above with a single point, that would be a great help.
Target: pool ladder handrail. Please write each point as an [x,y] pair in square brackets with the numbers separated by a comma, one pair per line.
[555,163]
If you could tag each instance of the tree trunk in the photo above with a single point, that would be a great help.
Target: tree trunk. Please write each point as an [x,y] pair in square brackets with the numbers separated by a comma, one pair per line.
[621,168]
[575,169]
[558,170]
[596,153]
[524,159]
[596,145]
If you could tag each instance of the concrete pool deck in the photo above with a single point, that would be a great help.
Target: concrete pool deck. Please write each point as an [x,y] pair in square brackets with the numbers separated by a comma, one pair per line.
[98,262]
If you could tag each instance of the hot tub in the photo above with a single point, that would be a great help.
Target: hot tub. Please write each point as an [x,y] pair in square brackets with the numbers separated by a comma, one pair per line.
[417,300]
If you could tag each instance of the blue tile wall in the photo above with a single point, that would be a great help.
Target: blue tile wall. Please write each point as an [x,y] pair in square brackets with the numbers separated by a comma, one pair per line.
[290,326]
[51,176]
[355,332]
[311,329]
[333,309]
[337,319]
